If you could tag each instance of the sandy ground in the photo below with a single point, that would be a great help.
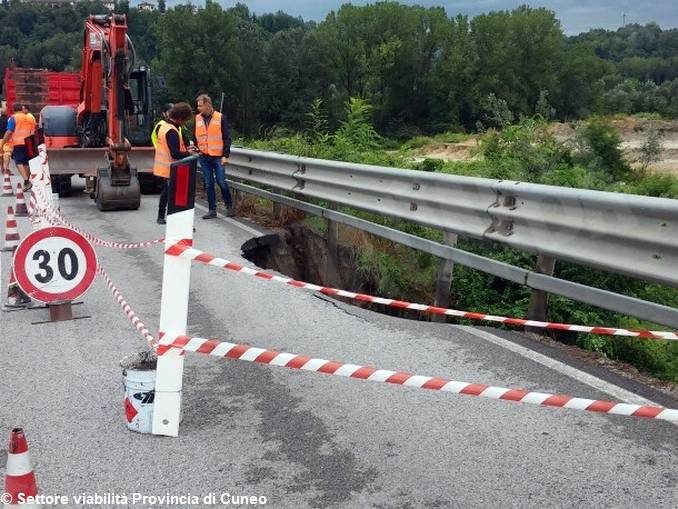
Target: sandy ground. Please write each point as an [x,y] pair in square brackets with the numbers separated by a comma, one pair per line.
[634,133]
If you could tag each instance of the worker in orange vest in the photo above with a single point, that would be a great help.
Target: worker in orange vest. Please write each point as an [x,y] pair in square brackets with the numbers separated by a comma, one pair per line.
[6,152]
[213,137]
[25,109]
[170,147]
[19,127]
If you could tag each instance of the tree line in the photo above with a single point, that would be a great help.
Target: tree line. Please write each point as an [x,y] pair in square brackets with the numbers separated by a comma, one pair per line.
[420,69]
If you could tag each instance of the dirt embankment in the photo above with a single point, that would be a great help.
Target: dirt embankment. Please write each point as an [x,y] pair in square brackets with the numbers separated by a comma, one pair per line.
[448,151]
[633,131]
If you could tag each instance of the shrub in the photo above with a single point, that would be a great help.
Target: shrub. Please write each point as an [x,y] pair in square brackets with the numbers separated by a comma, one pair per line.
[652,149]
[356,132]
[598,147]
[527,147]
[651,184]
[429,165]
[317,127]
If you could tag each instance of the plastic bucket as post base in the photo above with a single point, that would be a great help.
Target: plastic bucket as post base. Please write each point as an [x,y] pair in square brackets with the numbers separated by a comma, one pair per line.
[139,381]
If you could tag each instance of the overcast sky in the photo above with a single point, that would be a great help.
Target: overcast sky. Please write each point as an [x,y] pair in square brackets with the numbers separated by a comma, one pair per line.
[575,15]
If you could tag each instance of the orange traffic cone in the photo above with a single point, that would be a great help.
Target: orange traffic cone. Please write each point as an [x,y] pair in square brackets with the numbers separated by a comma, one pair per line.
[11,231]
[16,297]
[19,476]
[21,210]
[6,184]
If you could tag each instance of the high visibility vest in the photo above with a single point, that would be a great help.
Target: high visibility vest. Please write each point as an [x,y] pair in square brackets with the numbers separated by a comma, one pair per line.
[154,132]
[156,129]
[163,158]
[24,126]
[209,137]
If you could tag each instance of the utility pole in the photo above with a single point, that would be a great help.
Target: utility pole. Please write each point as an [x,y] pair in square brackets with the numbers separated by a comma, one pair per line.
[623,19]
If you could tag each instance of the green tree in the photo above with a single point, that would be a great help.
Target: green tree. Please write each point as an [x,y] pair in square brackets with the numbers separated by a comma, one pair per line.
[22,17]
[197,51]
[453,76]
[53,53]
[141,30]
[420,70]
[7,53]
[246,100]
[279,21]
[581,82]
[518,56]
[121,7]
[385,53]
[346,49]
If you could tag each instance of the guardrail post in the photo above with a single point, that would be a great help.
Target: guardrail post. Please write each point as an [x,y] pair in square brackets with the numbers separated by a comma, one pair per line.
[236,196]
[444,280]
[538,305]
[332,261]
[176,279]
[277,210]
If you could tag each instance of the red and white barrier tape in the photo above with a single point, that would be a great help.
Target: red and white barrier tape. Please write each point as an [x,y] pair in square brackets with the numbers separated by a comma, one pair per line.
[185,251]
[106,243]
[289,360]
[53,215]
[128,310]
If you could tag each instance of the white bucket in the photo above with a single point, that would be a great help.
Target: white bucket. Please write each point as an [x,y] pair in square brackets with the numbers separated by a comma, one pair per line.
[139,396]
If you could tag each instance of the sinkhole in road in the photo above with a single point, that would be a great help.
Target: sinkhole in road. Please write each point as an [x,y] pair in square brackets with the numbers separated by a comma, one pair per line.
[299,252]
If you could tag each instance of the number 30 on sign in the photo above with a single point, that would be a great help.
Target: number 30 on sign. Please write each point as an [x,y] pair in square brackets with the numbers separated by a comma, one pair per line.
[55,264]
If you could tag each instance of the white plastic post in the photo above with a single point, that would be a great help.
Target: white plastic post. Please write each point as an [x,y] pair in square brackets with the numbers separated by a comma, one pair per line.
[173,316]
[55,202]
[42,184]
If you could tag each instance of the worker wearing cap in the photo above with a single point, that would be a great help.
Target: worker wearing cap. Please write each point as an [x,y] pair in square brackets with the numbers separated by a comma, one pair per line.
[19,127]
[170,147]
[213,137]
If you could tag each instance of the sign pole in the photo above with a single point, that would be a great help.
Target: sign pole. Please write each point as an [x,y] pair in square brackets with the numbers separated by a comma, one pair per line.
[60,312]
[174,300]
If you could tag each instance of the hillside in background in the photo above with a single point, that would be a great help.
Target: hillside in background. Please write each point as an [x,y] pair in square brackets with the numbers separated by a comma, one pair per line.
[421,70]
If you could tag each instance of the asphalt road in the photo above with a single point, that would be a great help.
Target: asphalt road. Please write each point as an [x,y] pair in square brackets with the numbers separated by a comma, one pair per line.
[303,439]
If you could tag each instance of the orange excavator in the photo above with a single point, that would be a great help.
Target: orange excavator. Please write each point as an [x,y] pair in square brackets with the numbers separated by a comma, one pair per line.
[105,138]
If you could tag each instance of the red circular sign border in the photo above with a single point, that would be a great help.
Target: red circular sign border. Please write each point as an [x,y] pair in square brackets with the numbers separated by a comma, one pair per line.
[54,231]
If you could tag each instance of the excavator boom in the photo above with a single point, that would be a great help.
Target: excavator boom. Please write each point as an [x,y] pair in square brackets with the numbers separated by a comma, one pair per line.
[106,135]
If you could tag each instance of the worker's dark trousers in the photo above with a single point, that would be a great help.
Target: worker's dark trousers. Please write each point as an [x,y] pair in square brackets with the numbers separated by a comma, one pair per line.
[162,204]
[212,170]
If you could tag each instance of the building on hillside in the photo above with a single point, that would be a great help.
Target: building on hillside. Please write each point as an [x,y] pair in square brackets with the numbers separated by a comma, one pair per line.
[146,6]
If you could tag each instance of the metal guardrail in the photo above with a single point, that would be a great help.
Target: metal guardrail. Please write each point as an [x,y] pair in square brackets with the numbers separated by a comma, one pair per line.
[631,235]
[628,234]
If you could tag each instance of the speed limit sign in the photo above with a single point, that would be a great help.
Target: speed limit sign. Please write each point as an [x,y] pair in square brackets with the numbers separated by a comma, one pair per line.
[55,264]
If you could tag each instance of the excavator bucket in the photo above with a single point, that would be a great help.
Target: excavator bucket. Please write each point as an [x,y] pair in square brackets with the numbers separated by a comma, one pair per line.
[86,161]
[113,189]
[117,190]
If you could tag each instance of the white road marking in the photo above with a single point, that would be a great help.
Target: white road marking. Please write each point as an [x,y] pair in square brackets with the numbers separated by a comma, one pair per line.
[609,388]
